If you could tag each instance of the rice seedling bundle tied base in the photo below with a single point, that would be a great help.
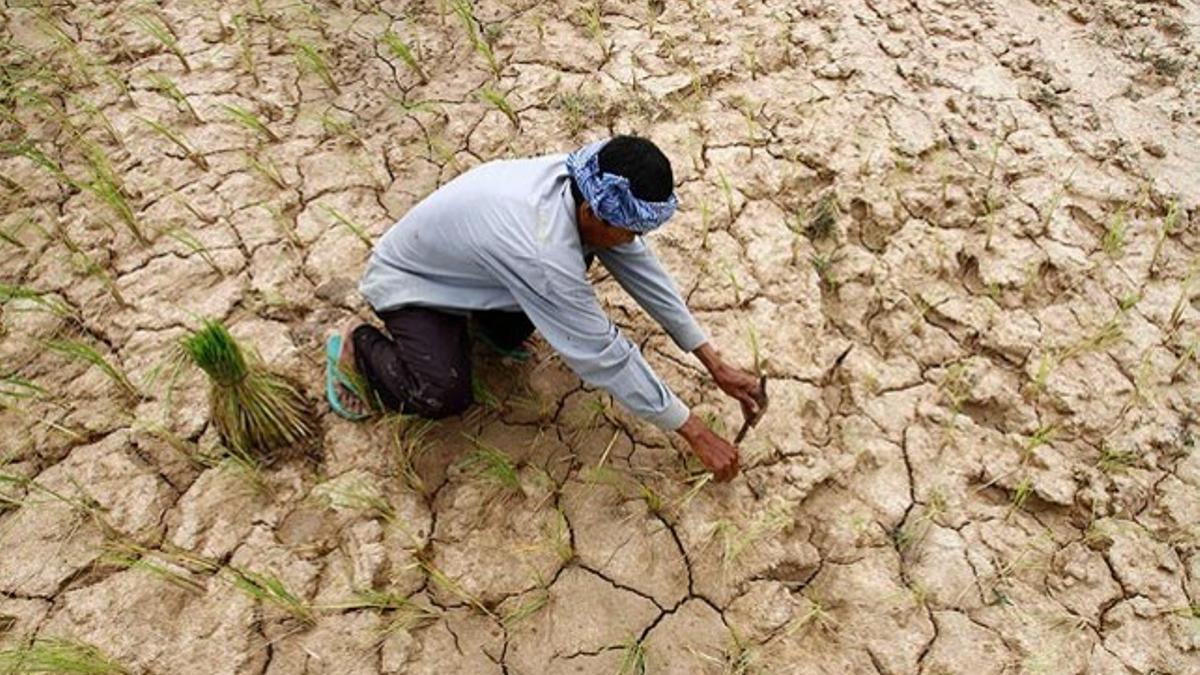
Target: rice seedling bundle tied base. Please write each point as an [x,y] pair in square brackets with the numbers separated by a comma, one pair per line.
[255,409]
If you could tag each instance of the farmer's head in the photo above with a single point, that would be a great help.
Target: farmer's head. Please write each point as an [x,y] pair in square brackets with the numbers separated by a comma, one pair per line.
[622,187]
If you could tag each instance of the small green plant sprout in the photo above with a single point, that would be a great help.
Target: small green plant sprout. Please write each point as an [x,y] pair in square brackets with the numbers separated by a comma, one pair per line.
[270,590]
[409,442]
[493,466]
[30,151]
[310,59]
[349,224]
[58,655]
[727,193]
[500,102]
[245,49]
[735,541]
[88,265]
[335,126]
[593,22]
[536,600]
[167,88]
[403,51]
[558,534]
[179,141]
[17,387]
[453,588]
[1114,232]
[250,121]
[263,165]
[242,465]
[633,659]
[403,612]
[158,29]
[194,246]
[365,498]
[1113,460]
[466,14]
[131,555]
[84,353]
[42,301]
[913,530]
[1170,223]
[817,614]
[1020,495]
[253,408]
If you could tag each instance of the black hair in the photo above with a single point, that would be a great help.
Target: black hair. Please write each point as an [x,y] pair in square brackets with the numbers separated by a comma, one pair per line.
[639,160]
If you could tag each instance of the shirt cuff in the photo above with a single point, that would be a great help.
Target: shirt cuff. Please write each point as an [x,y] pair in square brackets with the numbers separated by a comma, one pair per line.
[689,336]
[673,417]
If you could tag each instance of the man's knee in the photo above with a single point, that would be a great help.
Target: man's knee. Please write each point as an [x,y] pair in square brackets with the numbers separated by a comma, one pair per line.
[447,397]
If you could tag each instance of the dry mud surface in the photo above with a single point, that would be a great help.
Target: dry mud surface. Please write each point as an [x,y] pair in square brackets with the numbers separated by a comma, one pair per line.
[963,231]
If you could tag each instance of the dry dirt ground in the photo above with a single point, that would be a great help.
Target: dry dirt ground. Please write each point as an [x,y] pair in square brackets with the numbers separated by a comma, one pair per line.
[961,236]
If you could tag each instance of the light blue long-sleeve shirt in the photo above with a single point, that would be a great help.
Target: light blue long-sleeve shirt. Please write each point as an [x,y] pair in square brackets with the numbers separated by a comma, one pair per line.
[503,236]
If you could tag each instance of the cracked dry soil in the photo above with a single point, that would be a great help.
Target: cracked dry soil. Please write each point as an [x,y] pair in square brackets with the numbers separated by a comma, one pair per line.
[962,233]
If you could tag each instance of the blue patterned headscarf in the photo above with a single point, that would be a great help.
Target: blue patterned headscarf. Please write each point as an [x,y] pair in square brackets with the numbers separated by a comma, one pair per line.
[611,197]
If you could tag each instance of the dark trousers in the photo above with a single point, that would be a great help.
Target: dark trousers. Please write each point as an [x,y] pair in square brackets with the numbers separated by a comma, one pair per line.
[424,367]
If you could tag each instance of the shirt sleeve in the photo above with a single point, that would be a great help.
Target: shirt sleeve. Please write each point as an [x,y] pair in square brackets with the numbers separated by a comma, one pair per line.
[561,303]
[639,272]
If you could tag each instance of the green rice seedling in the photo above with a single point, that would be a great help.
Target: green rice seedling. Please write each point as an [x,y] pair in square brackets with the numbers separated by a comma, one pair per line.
[58,655]
[310,59]
[245,49]
[179,141]
[633,658]
[349,224]
[1114,233]
[593,22]
[31,152]
[286,225]
[698,482]
[538,599]
[59,308]
[1113,460]
[97,115]
[1020,495]
[1170,222]
[242,465]
[166,87]
[402,50]
[195,246]
[269,589]
[736,541]
[158,29]
[492,465]
[131,555]
[466,14]
[335,126]
[740,659]
[558,533]
[250,121]
[361,497]
[911,532]
[253,408]
[88,265]
[727,193]
[16,386]
[500,102]
[439,579]
[817,615]
[84,353]
[409,442]
[263,165]
[823,222]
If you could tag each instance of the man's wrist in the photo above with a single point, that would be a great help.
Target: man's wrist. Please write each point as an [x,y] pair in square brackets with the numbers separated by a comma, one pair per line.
[709,356]
[691,428]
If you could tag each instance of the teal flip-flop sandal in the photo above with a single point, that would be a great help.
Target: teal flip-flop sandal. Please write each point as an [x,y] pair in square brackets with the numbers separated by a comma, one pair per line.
[334,376]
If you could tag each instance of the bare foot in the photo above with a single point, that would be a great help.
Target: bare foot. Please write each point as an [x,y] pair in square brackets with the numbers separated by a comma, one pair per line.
[350,400]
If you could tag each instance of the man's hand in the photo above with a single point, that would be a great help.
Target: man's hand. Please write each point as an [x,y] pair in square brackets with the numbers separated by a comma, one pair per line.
[719,455]
[740,384]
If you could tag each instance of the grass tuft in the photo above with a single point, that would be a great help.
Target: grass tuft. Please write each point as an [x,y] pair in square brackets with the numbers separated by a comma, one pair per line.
[269,589]
[402,50]
[492,465]
[57,655]
[251,122]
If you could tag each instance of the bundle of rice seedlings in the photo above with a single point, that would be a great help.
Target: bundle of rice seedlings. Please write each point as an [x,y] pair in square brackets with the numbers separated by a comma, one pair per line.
[254,408]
